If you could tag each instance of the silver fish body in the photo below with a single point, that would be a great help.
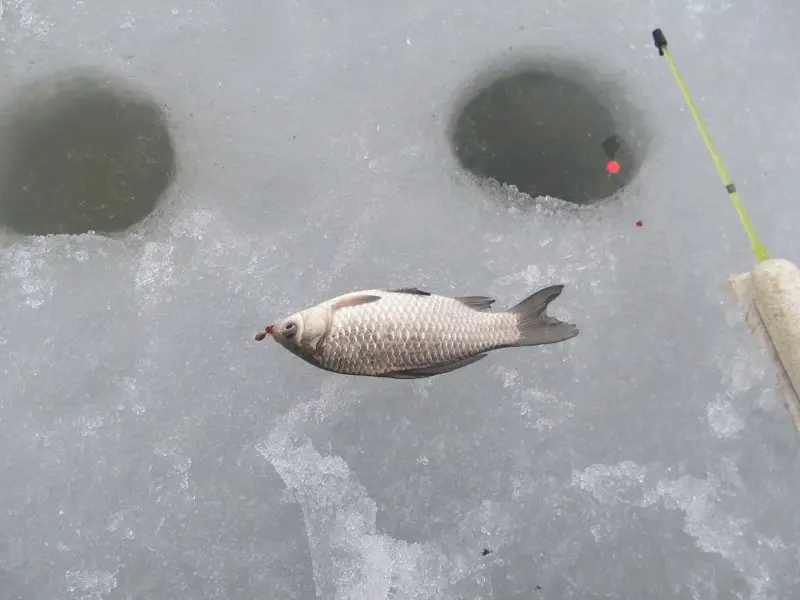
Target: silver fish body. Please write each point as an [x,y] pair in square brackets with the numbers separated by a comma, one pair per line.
[409,333]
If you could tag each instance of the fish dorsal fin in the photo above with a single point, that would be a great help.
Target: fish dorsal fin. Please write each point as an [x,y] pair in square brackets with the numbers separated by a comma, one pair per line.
[408,290]
[435,370]
[355,300]
[476,302]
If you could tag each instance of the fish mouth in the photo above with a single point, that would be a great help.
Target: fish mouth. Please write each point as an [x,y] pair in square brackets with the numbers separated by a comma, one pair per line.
[267,331]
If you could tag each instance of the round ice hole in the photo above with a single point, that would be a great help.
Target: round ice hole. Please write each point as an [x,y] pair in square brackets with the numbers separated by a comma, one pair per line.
[82,152]
[547,134]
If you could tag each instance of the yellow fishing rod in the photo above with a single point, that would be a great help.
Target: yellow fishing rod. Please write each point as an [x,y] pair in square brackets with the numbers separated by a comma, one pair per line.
[759,249]
[771,292]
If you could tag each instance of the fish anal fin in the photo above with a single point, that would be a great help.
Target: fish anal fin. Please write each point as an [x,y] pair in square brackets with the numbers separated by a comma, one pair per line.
[350,301]
[436,370]
[408,290]
[476,302]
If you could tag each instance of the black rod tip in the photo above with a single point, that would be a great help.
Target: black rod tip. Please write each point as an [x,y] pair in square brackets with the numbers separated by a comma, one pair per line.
[660,40]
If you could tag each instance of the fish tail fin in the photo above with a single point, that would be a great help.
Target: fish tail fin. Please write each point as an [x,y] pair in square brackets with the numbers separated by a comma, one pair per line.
[535,325]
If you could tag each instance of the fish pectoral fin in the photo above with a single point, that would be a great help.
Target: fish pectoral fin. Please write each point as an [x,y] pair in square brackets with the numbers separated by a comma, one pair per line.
[436,370]
[408,290]
[355,301]
[476,302]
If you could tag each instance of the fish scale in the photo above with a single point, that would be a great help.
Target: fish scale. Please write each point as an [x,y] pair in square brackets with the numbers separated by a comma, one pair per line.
[409,333]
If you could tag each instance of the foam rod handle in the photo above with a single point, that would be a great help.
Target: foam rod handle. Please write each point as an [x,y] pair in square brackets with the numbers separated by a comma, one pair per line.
[775,287]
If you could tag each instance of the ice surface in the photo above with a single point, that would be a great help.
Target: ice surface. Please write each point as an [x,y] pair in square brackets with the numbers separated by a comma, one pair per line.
[149,448]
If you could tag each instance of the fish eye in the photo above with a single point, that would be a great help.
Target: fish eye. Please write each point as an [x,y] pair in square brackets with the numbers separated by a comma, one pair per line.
[289,330]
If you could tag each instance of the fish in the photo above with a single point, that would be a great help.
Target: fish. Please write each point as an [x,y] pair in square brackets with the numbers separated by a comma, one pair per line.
[409,333]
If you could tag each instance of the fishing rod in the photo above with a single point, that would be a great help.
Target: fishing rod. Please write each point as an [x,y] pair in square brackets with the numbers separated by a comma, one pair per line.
[771,292]
[759,249]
